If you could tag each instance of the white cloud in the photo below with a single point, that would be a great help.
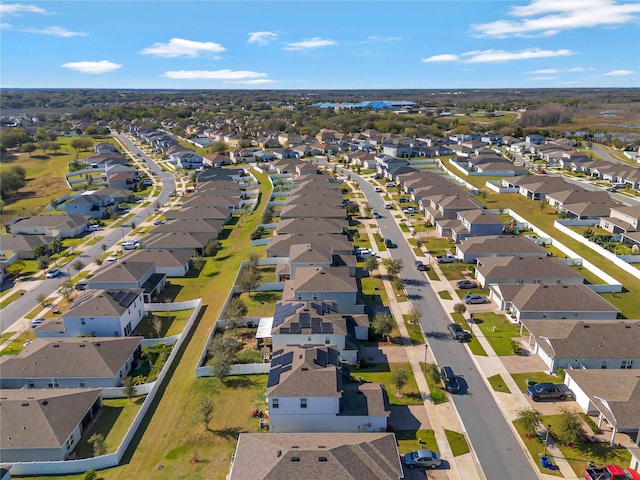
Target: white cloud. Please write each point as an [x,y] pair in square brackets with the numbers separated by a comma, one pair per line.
[545,71]
[495,56]
[542,79]
[179,47]
[262,38]
[549,17]
[314,42]
[93,68]
[445,57]
[377,39]
[225,74]
[5,26]
[18,9]
[56,32]
[619,73]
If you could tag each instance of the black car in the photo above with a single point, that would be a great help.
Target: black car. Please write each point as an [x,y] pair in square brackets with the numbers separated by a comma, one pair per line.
[389,244]
[458,333]
[420,266]
[466,284]
[449,380]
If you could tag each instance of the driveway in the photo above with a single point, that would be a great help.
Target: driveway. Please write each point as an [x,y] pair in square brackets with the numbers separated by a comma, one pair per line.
[409,417]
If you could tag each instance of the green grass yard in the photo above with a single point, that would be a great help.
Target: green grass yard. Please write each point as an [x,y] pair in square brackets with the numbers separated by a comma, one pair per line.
[498,331]
[410,392]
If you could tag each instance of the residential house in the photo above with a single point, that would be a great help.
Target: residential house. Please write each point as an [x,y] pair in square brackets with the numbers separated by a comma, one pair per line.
[318,323]
[551,302]
[470,223]
[45,425]
[187,160]
[280,245]
[169,262]
[535,139]
[79,362]
[215,160]
[291,456]
[536,187]
[105,147]
[128,275]
[206,212]
[472,248]
[193,244]
[55,226]
[311,225]
[324,283]
[312,209]
[309,390]
[573,344]
[314,254]
[448,206]
[190,225]
[612,396]
[525,269]
[622,219]
[97,313]
[22,245]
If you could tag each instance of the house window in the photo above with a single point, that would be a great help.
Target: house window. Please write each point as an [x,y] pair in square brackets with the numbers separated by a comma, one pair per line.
[315,296]
[53,383]
[626,364]
[83,321]
[82,384]
[303,403]
[31,384]
[309,338]
[275,403]
[298,296]
[327,340]
[603,365]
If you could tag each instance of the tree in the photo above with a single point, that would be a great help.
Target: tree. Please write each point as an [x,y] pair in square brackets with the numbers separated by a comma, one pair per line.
[415,314]
[129,387]
[570,429]
[460,308]
[394,267]
[382,324]
[78,265]
[206,410]
[267,215]
[42,299]
[156,324]
[253,262]
[97,442]
[398,283]
[81,144]
[28,148]
[43,262]
[56,245]
[249,279]
[90,475]
[132,225]
[16,268]
[236,310]
[221,354]
[219,147]
[212,248]
[531,419]
[66,289]
[400,377]
[371,263]
[104,247]
[434,373]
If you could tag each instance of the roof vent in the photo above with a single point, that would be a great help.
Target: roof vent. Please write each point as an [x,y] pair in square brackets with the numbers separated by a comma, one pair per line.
[321,446]
[586,326]
[25,404]
[82,345]
[322,459]
[44,402]
[279,454]
[55,345]
[304,369]
[295,446]
[97,344]
[295,459]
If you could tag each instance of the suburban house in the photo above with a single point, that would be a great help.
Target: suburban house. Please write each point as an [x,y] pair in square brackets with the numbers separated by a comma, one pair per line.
[617,406]
[313,209]
[309,390]
[209,226]
[573,344]
[470,223]
[97,313]
[622,219]
[187,160]
[525,269]
[311,225]
[56,226]
[536,187]
[314,254]
[215,160]
[291,456]
[127,275]
[318,323]
[331,284]
[169,262]
[23,245]
[79,362]
[206,212]
[472,248]
[448,206]
[551,302]
[44,425]
[192,243]
[280,245]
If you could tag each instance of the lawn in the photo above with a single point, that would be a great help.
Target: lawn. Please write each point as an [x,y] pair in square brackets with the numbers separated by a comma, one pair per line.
[113,422]
[260,304]
[474,345]
[415,331]
[455,270]
[458,443]
[581,453]
[445,295]
[436,246]
[535,446]
[173,323]
[410,440]
[498,384]
[498,331]
[380,373]
[539,377]
[11,298]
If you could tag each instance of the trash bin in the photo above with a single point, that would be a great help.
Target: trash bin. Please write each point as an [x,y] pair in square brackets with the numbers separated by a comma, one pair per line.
[545,462]
[530,383]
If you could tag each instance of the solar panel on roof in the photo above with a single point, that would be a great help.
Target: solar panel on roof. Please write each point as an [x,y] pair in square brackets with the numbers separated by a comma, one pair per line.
[128,299]
[305,323]
[284,311]
[286,368]
[274,377]
[295,328]
[321,358]
[304,317]
[278,352]
[287,358]
[327,327]
[334,357]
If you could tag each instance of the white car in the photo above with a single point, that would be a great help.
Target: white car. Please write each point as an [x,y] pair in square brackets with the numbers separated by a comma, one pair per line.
[131,245]
[378,189]
[409,210]
[53,273]
[110,259]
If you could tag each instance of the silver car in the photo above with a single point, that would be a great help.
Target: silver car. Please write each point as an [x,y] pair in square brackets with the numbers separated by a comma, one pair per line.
[422,458]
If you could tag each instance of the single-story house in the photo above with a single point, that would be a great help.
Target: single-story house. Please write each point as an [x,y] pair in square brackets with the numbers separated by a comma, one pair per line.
[169,262]
[22,245]
[56,226]
[126,274]
[525,269]
[472,248]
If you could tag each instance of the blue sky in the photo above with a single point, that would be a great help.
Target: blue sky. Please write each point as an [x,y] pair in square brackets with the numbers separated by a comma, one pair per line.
[445,44]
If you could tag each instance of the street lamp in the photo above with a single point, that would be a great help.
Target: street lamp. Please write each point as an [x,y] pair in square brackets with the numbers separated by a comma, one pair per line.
[426,349]
[546,441]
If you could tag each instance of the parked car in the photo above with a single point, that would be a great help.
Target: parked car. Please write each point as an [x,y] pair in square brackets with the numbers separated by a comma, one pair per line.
[466,284]
[420,266]
[458,333]
[409,210]
[449,380]
[610,472]
[422,458]
[111,259]
[387,205]
[158,222]
[81,286]
[53,273]
[376,214]
[389,243]
[473,299]
[548,391]
[36,322]
[378,189]
[612,189]
[390,185]
[448,258]
[94,228]
[131,245]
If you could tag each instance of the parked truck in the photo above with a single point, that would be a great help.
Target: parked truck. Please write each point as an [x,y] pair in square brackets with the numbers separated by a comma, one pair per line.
[610,472]
[551,391]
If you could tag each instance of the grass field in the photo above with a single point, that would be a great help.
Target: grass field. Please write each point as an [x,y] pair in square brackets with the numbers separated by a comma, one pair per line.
[410,440]
[498,331]
[457,442]
[382,373]
[474,345]
[498,384]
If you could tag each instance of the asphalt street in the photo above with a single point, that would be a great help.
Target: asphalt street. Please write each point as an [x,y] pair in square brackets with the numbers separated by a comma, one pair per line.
[497,449]
[23,305]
